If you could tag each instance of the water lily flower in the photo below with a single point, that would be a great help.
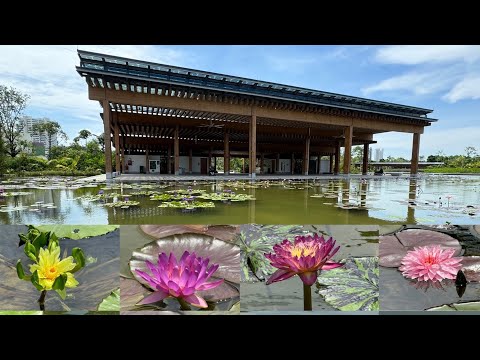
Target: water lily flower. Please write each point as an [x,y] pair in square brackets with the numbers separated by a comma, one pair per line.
[430,263]
[179,279]
[49,267]
[100,192]
[305,257]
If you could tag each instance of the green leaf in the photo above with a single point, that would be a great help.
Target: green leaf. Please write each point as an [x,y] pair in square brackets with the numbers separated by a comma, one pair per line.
[21,312]
[20,271]
[30,251]
[79,257]
[77,232]
[111,302]
[62,293]
[59,283]
[353,286]
[466,306]
[40,241]
[35,281]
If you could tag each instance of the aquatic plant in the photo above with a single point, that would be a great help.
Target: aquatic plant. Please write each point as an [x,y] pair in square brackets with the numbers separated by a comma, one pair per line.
[226,196]
[188,191]
[305,257]
[179,279]
[48,271]
[430,263]
[123,204]
[189,205]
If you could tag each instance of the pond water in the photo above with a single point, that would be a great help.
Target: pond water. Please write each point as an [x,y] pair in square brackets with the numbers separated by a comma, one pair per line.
[431,199]
[287,295]
[96,280]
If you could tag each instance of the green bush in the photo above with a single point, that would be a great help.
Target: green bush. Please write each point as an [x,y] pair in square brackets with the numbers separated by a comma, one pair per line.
[453,170]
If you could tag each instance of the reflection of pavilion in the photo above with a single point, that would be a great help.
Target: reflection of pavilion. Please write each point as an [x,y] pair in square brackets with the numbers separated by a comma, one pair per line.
[170,120]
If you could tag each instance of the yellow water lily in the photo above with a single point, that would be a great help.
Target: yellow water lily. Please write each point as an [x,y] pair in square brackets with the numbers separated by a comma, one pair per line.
[49,267]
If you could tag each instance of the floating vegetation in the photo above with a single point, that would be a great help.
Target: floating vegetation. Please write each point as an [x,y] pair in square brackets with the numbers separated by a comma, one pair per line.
[188,191]
[188,205]
[123,204]
[169,197]
[226,196]
[15,193]
[101,196]
[145,193]
[7,209]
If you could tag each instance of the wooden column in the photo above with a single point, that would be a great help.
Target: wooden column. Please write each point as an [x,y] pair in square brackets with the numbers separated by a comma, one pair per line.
[226,153]
[262,162]
[277,164]
[147,163]
[190,161]
[176,151]
[209,164]
[347,157]
[107,137]
[415,154]
[337,159]
[169,160]
[317,169]
[122,159]
[365,159]
[253,143]
[306,154]
[116,134]
[330,168]
[292,164]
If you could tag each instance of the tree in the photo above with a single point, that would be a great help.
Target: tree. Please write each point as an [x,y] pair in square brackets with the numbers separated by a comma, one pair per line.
[2,154]
[470,150]
[12,104]
[101,141]
[83,134]
[50,129]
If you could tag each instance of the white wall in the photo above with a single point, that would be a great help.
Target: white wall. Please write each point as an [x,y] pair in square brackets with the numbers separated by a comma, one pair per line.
[137,161]
[325,166]
[195,164]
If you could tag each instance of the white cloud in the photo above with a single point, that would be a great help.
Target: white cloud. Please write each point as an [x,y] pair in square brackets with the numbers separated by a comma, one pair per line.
[292,64]
[468,88]
[418,54]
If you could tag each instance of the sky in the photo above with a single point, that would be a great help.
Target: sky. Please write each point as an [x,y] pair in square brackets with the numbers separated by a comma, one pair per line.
[445,78]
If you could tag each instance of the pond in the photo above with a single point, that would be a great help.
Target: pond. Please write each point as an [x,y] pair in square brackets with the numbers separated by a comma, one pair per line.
[431,199]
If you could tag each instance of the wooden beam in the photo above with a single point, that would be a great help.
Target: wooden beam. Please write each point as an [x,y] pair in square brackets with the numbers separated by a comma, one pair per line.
[292,164]
[330,168]
[176,151]
[107,137]
[365,159]
[306,153]
[277,164]
[415,154]
[134,98]
[147,162]
[262,161]
[169,160]
[347,156]
[190,161]
[253,141]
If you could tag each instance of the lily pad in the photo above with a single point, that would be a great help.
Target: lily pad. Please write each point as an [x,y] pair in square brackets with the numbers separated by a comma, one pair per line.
[188,205]
[225,254]
[393,248]
[353,286]
[77,232]
[21,312]
[226,196]
[466,306]
[111,302]
[222,232]
[123,204]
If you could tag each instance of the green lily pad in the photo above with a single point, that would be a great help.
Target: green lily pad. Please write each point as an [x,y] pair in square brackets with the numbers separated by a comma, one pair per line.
[21,312]
[226,196]
[353,286]
[123,204]
[111,302]
[188,205]
[467,306]
[77,232]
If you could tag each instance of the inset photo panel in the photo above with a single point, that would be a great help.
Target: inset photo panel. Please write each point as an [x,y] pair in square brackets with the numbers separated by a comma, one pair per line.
[429,268]
[305,268]
[59,269]
[179,270]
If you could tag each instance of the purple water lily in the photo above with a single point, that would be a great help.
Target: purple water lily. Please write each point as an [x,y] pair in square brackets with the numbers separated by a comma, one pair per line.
[179,279]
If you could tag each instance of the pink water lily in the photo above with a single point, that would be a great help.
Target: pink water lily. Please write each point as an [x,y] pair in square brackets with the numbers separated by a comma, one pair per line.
[305,257]
[430,263]
[179,279]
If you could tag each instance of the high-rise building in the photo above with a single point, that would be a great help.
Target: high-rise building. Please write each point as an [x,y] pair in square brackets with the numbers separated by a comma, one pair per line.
[39,140]
[378,154]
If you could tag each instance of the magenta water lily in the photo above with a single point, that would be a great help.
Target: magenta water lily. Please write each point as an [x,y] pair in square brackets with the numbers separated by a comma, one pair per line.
[305,257]
[180,279]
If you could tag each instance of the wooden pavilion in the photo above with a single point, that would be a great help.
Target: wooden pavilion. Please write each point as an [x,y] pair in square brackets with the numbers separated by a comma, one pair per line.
[172,120]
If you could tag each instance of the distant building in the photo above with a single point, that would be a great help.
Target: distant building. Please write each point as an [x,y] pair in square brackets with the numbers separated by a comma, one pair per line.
[40,141]
[378,154]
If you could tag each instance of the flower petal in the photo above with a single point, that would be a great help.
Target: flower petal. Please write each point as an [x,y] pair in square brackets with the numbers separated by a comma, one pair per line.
[154,297]
[280,275]
[196,300]
[308,278]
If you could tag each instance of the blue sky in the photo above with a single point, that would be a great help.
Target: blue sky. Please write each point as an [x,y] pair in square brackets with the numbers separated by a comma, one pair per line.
[443,78]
